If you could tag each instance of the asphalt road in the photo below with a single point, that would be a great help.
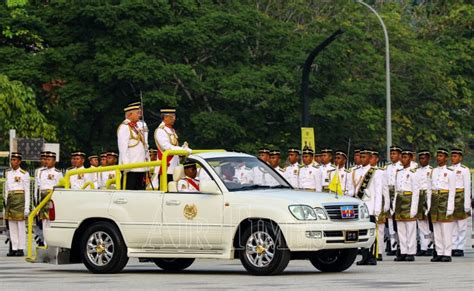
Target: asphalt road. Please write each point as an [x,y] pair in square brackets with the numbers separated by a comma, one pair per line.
[16,274]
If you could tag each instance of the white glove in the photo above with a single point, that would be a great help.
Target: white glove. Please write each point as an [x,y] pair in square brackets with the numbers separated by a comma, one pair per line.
[427,211]
[392,212]
[449,213]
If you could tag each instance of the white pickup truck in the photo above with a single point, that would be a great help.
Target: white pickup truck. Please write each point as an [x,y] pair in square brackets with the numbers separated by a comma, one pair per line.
[265,225]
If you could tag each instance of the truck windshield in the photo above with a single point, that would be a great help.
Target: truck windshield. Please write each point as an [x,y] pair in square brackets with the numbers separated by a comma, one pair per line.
[246,173]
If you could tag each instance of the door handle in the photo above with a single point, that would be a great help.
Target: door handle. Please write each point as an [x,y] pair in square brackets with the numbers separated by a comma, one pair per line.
[173,202]
[120,201]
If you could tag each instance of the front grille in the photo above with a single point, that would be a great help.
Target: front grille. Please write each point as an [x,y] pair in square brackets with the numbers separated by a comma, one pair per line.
[333,233]
[363,232]
[334,212]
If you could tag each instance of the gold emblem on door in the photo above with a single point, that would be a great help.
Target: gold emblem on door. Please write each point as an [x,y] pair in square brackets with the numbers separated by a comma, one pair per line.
[190,211]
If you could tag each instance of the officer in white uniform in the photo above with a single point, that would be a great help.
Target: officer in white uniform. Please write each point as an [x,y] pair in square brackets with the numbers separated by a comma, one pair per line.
[405,207]
[365,188]
[78,181]
[112,158]
[293,169]
[166,138]
[309,175]
[423,176]
[344,173]
[189,183]
[328,170]
[132,147]
[48,178]
[37,171]
[17,200]
[389,185]
[443,193]
[259,175]
[462,207]
[94,163]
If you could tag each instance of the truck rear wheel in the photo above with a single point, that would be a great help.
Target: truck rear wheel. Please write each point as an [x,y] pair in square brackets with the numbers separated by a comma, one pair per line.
[264,250]
[333,260]
[173,265]
[103,250]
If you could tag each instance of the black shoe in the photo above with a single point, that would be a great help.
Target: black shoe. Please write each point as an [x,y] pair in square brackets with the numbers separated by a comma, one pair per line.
[391,253]
[11,254]
[457,253]
[421,253]
[429,253]
[19,253]
[446,259]
[410,258]
[379,258]
[400,258]
[437,259]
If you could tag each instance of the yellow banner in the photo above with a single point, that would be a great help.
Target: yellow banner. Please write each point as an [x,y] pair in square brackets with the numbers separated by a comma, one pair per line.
[307,137]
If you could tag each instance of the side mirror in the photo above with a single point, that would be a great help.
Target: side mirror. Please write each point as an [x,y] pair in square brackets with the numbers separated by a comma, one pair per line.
[209,186]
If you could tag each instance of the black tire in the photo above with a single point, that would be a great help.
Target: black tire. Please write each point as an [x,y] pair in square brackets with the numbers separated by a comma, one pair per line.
[173,265]
[280,254]
[333,260]
[107,232]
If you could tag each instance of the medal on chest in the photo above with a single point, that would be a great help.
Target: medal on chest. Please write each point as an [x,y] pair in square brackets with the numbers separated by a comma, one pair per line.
[17,179]
[50,177]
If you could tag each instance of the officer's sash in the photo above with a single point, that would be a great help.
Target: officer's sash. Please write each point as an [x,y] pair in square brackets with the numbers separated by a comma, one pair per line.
[365,182]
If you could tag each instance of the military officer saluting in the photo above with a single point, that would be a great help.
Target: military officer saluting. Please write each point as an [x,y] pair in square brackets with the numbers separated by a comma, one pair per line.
[48,178]
[462,204]
[327,169]
[423,176]
[406,208]
[309,177]
[132,147]
[166,138]
[293,169]
[17,198]
[189,183]
[443,185]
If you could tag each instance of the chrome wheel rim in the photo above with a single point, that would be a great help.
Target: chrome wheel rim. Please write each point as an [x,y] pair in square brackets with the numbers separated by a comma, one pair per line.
[260,249]
[100,248]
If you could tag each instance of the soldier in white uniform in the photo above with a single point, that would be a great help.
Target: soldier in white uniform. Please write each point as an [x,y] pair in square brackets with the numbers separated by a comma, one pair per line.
[78,181]
[242,173]
[309,177]
[413,163]
[344,173]
[37,171]
[48,178]
[264,154]
[166,138]
[381,202]
[112,158]
[462,205]
[94,163]
[356,159]
[275,159]
[389,185]
[443,193]
[17,200]
[328,170]
[132,147]
[259,175]
[405,208]
[365,188]
[317,158]
[423,176]
[189,183]
[293,169]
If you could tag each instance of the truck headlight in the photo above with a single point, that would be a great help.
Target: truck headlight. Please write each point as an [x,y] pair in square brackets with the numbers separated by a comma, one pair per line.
[320,213]
[363,212]
[302,212]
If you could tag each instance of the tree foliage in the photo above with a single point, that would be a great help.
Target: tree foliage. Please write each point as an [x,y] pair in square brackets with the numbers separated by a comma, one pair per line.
[233,69]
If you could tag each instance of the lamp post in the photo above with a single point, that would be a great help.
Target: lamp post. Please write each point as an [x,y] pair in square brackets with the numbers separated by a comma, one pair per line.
[387,76]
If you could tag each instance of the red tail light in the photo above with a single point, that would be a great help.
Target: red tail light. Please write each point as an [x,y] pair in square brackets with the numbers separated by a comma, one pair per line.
[52,211]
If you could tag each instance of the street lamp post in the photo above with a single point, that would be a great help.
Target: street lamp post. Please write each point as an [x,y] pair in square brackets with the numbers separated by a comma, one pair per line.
[387,76]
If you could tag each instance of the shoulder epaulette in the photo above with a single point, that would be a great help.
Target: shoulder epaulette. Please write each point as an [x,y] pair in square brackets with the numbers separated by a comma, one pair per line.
[450,169]
[125,122]
[57,170]
[8,170]
[413,170]
[347,170]
[316,166]
[281,169]
[331,170]
[300,166]
[388,164]
[23,171]
[462,166]
[43,169]
[162,126]
[398,170]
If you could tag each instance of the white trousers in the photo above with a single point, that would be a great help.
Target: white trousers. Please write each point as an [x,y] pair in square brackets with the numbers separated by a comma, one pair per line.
[407,237]
[17,234]
[392,235]
[443,235]
[424,233]
[380,236]
[459,233]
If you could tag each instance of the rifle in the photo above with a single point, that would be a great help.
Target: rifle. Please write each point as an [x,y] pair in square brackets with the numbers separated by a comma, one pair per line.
[7,232]
[148,177]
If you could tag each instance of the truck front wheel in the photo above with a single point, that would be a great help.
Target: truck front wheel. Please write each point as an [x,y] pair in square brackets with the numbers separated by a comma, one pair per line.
[103,250]
[333,260]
